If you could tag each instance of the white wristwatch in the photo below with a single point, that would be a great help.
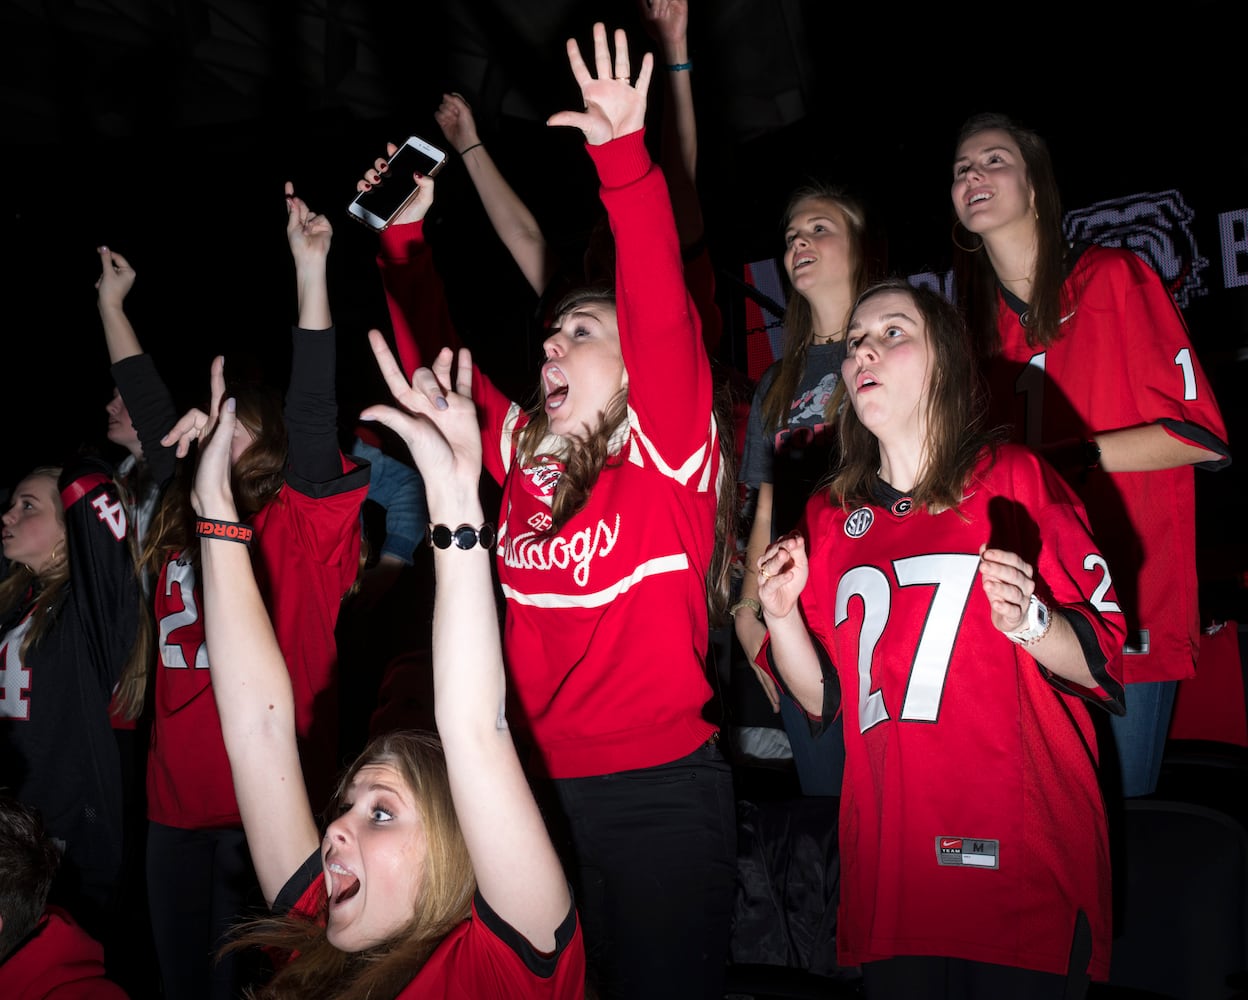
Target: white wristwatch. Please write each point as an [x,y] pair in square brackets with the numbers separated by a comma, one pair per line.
[1036,627]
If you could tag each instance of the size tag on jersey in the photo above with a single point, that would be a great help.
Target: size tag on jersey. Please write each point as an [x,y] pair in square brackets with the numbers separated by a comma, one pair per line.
[1137,643]
[968,852]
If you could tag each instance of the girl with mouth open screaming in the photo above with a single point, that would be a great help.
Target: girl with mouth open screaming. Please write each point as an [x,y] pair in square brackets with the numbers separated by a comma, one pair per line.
[436,877]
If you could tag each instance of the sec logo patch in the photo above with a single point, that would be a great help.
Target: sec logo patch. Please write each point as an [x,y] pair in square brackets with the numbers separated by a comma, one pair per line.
[858,522]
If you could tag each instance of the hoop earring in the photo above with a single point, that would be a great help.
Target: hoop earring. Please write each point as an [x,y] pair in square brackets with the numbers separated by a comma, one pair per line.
[953,235]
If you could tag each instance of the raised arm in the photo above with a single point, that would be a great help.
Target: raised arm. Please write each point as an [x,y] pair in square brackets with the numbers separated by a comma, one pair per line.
[659,330]
[414,293]
[114,284]
[668,21]
[510,217]
[142,389]
[249,679]
[518,872]
[311,403]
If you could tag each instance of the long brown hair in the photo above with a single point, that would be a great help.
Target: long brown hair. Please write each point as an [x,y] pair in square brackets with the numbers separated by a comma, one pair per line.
[956,403]
[585,457]
[256,478]
[975,279]
[46,588]
[799,323]
[445,900]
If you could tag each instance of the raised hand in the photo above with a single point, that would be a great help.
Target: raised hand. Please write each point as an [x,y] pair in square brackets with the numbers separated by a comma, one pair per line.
[308,233]
[415,209]
[666,20]
[195,424]
[211,493]
[437,420]
[454,118]
[782,573]
[614,107]
[115,280]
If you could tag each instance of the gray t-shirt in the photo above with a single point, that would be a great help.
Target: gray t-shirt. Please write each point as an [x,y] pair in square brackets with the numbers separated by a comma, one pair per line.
[795,458]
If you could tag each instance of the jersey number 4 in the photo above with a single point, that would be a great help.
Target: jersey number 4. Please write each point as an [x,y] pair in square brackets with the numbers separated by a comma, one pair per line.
[952,575]
[14,675]
[111,514]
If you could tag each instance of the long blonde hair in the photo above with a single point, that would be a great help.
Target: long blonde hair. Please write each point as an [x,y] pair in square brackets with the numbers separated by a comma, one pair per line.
[322,971]
[799,320]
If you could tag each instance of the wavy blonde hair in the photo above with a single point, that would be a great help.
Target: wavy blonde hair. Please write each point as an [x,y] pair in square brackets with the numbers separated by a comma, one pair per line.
[321,971]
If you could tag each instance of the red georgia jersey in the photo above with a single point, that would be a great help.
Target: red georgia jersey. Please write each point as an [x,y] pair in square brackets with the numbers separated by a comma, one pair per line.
[1124,359]
[972,825]
[305,554]
[482,957]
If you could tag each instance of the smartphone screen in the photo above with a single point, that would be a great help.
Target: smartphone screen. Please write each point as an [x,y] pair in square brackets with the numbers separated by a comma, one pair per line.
[377,206]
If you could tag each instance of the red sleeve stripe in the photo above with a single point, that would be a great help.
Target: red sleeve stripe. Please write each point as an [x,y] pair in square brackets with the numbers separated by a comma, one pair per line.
[80,487]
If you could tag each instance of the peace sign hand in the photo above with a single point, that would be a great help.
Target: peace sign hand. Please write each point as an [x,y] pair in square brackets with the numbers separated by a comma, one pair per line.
[613,106]
[437,420]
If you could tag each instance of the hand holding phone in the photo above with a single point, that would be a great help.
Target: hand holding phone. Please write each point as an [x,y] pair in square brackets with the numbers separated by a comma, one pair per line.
[381,201]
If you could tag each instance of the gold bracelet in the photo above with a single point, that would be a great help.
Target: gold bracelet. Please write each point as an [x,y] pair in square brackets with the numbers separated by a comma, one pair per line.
[747,602]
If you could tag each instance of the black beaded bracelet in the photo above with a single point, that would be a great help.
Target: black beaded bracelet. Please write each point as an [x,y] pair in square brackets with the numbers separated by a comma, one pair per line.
[229,531]
[464,537]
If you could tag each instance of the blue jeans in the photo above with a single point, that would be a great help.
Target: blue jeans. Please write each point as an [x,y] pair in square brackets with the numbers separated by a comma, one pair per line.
[1140,735]
[656,856]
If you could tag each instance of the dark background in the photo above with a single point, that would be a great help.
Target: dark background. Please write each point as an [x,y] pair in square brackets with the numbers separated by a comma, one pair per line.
[166,130]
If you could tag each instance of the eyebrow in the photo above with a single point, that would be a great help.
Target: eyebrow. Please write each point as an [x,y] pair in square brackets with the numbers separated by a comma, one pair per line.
[857,323]
[375,786]
[986,149]
[813,218]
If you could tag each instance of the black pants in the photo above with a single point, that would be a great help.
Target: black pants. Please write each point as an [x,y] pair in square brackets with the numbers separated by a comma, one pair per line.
[656,875]
[200,884]
[930,978]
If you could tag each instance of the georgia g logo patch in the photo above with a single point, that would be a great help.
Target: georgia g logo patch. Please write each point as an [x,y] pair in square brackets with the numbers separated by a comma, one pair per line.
[858,522]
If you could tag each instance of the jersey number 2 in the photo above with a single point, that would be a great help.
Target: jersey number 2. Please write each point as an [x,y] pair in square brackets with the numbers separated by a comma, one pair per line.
[953,575]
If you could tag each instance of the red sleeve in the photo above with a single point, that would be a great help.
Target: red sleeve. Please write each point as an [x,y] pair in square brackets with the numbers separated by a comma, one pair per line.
[669,377]
[1163,374]
[414,296]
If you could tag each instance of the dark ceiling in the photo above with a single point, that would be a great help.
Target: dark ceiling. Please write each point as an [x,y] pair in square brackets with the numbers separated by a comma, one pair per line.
[165,129]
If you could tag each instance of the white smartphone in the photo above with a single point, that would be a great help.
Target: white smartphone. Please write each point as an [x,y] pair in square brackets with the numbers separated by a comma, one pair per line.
[378,206]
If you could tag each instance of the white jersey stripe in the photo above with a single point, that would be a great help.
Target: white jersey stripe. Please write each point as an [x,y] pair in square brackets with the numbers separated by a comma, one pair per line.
[652,567]
[697,462]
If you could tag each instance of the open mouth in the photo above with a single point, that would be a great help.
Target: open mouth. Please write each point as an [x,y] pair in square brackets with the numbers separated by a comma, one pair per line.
[556,384]
[979,196]
[866,381]
[345,884]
